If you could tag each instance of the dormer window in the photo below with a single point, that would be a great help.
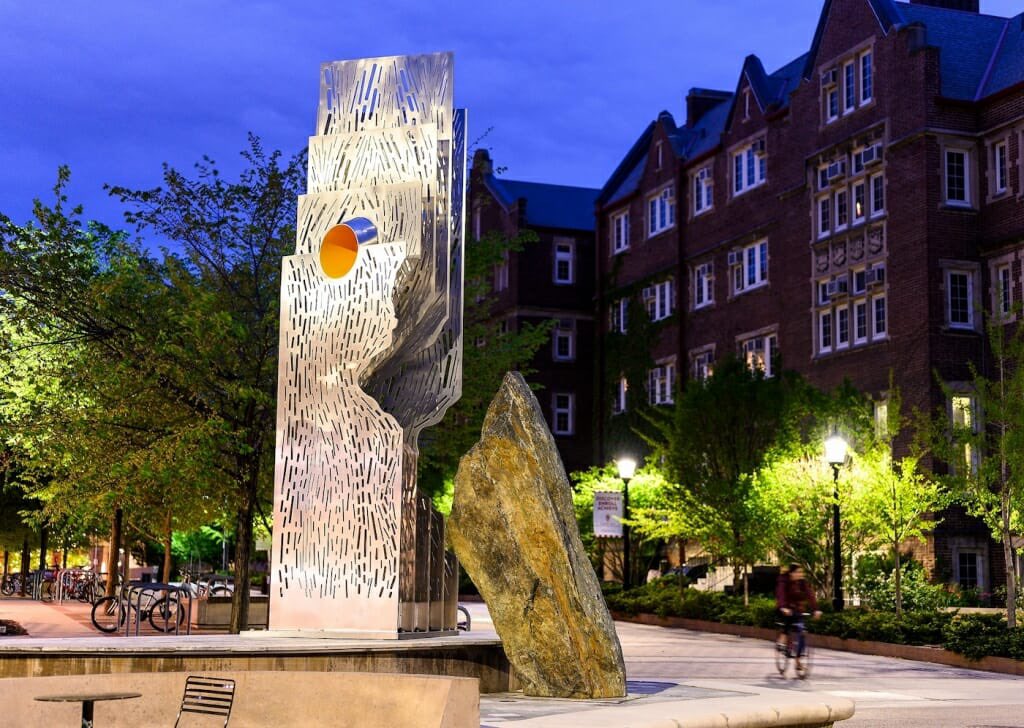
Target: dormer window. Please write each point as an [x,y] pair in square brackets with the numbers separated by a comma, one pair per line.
[750,167]
[849,84]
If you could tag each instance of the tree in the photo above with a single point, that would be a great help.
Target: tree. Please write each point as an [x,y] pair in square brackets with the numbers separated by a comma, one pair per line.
[987,460]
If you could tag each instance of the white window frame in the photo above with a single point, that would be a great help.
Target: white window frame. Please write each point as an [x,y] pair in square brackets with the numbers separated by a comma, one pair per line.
[832,96]
[866,74]
[965,155]
[619,314]
[840,313]
[703,364]
[566,407]
[1000,167]
[703,191]
[659,299]
[849,87]
[560,333]
[824,216]
[969,276]
[860,184]
[759,352]
[842,195]
[661,211]
[749,161]
[660,381]
[860,308]
[979,564]
[565,252]
[824,325]
[970,418]
[703,285]
[501,273]
[876,201]
[1003,305]
[620,232]
[758,254]
[876,334]
[619,397]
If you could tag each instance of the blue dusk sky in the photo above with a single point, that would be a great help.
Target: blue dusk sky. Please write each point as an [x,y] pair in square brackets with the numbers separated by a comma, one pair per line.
[114,88]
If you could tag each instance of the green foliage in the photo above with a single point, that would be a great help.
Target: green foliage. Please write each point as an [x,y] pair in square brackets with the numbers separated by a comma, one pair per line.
[875,582]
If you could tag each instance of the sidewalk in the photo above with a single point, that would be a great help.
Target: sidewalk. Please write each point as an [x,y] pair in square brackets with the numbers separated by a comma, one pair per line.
[46,619]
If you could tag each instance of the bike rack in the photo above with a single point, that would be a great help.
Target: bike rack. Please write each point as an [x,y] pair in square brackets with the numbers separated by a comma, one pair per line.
[138,588]
[67,577]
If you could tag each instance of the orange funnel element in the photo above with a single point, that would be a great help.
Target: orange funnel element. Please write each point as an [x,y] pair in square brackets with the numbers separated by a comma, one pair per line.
[338,251]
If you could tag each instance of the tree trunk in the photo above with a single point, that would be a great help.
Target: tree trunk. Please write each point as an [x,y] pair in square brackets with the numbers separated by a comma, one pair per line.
[899,581]
[112,552]
[243,548]
[167,549]
[126,556]
[7,560]
[1011,581]
[44,543]
[746,586]
[25,556]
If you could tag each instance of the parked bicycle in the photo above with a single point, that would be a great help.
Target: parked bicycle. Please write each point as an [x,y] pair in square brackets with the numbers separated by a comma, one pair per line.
[794,647]
[11,585]
[206,585]
[165,613]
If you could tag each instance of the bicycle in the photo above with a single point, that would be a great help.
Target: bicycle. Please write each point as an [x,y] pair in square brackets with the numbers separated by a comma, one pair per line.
[796,637]
[11,585]
[165,614]
[206,585]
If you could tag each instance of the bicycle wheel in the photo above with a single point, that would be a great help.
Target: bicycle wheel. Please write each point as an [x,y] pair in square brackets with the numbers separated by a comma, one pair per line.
[108,614]
[7,588]
[166,614]
[781,657]
[220,591]
[803,663]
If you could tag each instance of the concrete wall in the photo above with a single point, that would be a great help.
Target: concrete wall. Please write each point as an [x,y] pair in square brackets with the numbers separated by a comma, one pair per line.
[261,699]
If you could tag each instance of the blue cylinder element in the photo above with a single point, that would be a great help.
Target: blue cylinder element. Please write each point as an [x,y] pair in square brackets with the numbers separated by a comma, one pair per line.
[363,228]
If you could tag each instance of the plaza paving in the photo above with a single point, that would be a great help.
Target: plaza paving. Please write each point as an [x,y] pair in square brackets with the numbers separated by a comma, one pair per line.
[669,664]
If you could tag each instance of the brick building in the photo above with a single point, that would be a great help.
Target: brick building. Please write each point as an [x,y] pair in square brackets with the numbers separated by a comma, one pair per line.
[848,215]
[549,280]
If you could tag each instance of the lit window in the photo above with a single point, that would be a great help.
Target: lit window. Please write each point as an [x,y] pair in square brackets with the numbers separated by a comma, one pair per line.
[749,167]
[881,418]
[501,273]
[759,352]
[965,424]
[659,384]
[866,78]
[659,300]
[563,340]
[959,299]
[661,212]
[564,272]
[703,285]
[620,232]
[563,406]
[859,207]
[749,267]
[957,178]
[703,363]
[999,167]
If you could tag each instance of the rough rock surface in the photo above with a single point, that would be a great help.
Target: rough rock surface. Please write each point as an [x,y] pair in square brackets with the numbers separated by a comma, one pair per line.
[513,528]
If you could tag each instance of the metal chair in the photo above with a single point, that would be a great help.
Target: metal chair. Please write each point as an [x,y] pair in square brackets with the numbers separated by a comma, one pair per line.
[207,695]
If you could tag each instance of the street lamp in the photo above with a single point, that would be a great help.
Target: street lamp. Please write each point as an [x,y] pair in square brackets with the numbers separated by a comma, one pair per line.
[835,455]
[627,468]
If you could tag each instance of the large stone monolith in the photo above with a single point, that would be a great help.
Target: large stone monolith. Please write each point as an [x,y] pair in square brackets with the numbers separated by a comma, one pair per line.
[513,528]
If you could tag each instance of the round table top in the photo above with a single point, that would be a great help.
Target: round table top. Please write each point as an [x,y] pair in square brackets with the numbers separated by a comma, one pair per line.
[82,697]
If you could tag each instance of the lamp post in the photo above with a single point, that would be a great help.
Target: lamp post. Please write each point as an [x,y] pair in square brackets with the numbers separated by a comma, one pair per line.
[835,455]
[627,467]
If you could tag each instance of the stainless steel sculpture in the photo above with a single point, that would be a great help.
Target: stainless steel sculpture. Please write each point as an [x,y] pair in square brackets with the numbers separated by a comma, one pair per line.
[370,354]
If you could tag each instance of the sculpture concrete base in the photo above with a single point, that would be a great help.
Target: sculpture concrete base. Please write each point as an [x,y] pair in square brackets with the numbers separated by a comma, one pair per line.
[342,634]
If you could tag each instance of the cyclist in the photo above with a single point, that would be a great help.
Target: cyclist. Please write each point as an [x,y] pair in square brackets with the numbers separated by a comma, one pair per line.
[794,597]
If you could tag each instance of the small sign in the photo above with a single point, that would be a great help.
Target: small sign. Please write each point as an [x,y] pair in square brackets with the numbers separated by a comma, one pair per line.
[608,514]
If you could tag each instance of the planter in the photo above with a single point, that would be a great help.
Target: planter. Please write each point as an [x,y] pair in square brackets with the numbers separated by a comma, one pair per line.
[936,655]
[215,612]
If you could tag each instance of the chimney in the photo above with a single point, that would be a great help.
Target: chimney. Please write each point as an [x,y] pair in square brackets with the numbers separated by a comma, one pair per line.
[967,6]
[700,101]
[482,162]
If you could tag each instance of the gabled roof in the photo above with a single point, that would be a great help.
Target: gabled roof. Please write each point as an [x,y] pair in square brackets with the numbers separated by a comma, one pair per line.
[771,90]
[554,206]
[626,177]
[885,11]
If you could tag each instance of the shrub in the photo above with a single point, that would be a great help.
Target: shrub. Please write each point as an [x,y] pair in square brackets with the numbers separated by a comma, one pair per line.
[876,583]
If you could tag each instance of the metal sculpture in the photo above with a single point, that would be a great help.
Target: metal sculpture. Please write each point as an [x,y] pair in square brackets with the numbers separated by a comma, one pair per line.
[370,354]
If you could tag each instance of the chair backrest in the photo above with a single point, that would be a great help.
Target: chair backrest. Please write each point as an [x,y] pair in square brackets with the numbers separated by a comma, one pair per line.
[207,695]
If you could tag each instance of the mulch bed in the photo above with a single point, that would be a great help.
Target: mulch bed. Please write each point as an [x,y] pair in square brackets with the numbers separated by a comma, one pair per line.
[10,628]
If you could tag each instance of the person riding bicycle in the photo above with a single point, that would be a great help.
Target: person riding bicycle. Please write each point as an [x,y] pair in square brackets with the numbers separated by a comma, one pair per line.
[794,597]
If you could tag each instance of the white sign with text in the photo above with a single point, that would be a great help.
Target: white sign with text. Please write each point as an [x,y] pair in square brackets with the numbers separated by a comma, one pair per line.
[608,514]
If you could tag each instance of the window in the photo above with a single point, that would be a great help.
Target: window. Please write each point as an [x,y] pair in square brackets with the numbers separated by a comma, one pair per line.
[749,167]
[660,300]
[659,384]
[703,191]
[825,331]
[999,168]
[859,281]
[832,100]
[859,208]
[503,327]
[563,340]
[824,216]
[878,317]
[1002,290]
[703,285]
[702,365]
[564,406]
[619,396]
[617,316]
[564,272]
[959,299]
[849,88]
[860,322]
[842,210]
[969,569]
[957,177]
[476,223]
[842,327]
[661,211]
[866,78]
[877,195]
[501,273]
[750,267]
[660,155]
[963,412]
[759,352]
[881,418]
[620,232]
